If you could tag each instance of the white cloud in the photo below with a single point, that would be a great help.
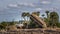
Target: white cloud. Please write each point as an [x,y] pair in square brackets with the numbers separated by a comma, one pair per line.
[25,11]
[21,5]
[13,5]
[27,4]
[45,2]
[54,8]
[38,9]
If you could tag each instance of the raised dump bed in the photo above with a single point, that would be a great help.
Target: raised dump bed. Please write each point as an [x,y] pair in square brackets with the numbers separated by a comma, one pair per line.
[38,20]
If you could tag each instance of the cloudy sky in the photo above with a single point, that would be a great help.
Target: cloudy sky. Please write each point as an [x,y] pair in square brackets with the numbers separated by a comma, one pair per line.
[12,9]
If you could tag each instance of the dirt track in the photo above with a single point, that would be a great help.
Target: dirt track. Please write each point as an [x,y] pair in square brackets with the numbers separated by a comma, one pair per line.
[31,31]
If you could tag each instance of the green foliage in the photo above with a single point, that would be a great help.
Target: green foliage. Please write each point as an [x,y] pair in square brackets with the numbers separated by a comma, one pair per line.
[58,25]
[47,21]
[43,15]
[47,13]
[25,14]
[51,20]
[11,23]
[32,24]
[54,18]
[4,24]
[2,27]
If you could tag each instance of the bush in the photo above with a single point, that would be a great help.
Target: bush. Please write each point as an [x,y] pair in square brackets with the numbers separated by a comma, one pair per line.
[58,25]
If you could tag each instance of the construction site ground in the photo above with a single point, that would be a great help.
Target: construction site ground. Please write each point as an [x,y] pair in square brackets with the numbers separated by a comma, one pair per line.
[33,31]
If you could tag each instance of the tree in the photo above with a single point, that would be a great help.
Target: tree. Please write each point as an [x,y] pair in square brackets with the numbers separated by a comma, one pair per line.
[24,15]
[1,27]
[43,15]
[47,13]
[46,20]
[27,14]
[54,18]
[11,23]
[3,24]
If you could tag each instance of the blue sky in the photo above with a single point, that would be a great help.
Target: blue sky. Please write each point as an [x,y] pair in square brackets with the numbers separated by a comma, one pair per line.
[12,9]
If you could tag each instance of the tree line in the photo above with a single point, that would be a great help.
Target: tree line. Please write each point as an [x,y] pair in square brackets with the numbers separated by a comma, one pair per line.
[51,18]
